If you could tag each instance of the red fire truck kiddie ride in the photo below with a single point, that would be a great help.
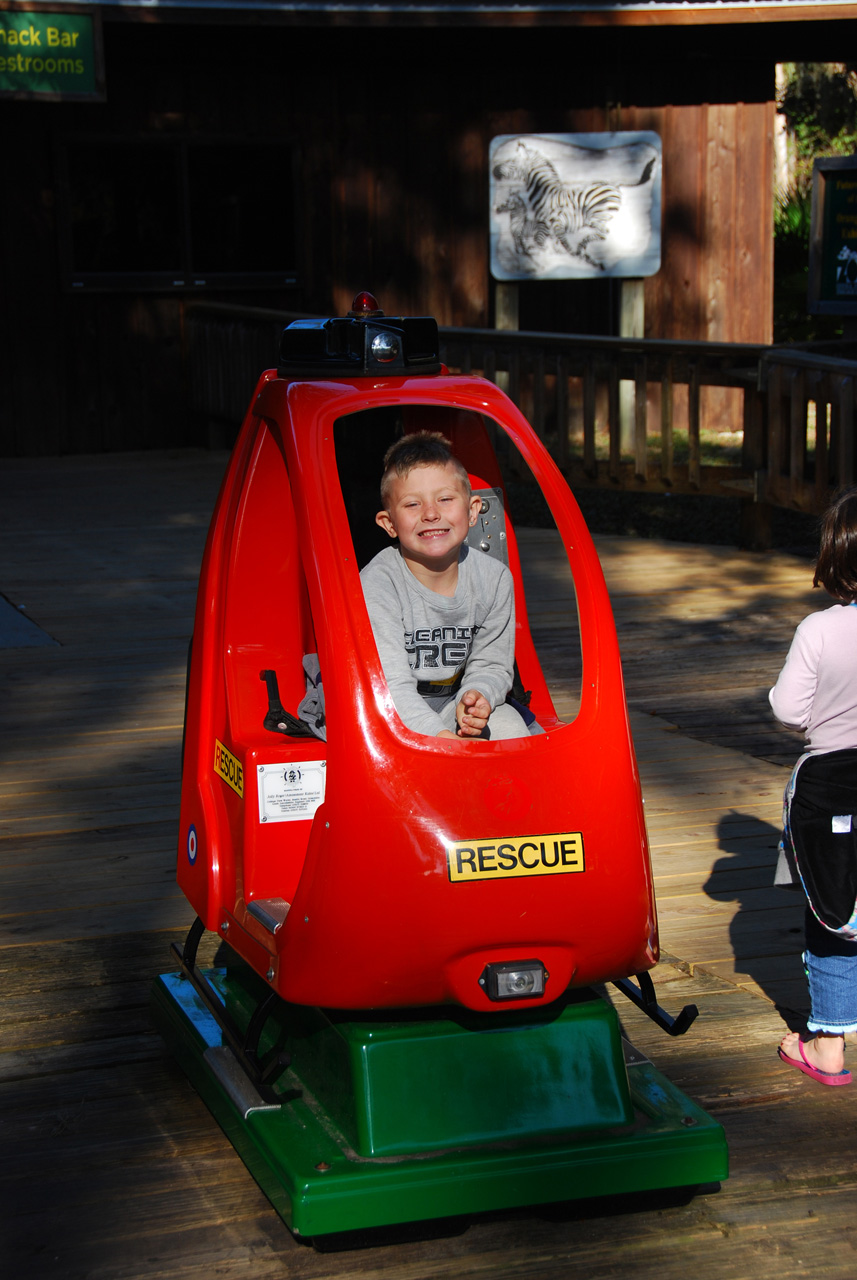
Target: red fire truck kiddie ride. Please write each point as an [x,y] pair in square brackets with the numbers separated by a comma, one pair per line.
[400,1024]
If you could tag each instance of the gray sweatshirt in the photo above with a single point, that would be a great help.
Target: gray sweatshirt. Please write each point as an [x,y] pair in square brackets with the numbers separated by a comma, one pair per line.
[431,646]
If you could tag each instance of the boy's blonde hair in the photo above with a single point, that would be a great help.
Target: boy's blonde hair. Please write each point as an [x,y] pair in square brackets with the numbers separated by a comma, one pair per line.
[419,449]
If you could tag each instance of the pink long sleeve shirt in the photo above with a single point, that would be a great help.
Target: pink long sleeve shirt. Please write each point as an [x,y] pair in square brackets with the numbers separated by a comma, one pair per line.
[817,688]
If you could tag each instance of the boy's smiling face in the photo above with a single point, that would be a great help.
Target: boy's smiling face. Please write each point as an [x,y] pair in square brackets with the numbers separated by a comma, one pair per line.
[430,511]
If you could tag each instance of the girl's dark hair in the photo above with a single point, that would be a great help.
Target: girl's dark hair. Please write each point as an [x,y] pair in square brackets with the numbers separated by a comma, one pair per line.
[836,567]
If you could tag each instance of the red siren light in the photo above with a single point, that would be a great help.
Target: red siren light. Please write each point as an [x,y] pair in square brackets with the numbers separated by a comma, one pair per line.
[365,305]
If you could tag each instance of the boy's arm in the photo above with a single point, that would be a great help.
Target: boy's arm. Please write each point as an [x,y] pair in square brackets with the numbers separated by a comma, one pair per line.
[490,666]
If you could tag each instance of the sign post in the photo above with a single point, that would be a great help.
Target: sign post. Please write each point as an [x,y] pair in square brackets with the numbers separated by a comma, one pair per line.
[632,324]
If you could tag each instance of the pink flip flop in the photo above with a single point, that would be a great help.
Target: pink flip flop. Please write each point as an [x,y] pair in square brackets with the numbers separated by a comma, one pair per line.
[823,1077]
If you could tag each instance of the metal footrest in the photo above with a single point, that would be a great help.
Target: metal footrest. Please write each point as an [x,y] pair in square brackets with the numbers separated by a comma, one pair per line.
[270,912]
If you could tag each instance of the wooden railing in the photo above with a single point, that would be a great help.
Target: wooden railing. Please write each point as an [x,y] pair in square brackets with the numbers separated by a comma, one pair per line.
[807,444]
[606,407]
[633,414]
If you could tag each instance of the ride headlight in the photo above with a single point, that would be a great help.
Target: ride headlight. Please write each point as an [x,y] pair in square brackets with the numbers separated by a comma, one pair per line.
[514,980]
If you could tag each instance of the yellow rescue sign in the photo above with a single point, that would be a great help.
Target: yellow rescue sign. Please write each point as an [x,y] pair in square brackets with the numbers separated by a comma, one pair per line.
[230,769]
[508,858]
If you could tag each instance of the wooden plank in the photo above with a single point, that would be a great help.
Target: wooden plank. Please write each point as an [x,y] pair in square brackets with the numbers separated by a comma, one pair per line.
[614,426]
[685,134]
[776,427]
[667,440]
[822,453]
[589,421]
[561,409]
[694,460]
[514,363]
[464,213]
[797,431]
[641,391]
[752,316]
[539,398]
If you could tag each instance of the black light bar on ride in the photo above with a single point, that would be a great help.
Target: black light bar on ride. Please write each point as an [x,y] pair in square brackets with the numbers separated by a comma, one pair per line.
[365,343]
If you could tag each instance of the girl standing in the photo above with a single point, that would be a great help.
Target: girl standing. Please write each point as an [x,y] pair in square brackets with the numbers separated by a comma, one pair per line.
[816,691]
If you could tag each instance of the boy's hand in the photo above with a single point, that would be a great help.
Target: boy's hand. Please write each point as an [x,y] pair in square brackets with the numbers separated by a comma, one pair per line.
[472,713]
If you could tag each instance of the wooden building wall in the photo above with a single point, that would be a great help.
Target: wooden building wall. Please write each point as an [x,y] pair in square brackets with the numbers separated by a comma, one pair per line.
[391,130]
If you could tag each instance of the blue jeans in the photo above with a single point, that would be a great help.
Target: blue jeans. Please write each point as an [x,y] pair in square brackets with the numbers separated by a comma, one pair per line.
[831,968]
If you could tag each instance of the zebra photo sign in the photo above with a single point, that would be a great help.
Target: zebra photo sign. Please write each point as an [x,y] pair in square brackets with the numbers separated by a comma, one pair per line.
[570,206]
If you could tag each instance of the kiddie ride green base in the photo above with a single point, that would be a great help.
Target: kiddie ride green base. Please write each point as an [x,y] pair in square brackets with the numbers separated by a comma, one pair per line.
[352,1120]
[403,1025]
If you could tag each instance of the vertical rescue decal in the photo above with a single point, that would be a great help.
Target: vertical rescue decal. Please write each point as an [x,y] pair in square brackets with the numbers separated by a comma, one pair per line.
[230,769]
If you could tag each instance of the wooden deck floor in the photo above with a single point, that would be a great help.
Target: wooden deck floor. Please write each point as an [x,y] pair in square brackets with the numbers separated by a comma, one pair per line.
[112,1169]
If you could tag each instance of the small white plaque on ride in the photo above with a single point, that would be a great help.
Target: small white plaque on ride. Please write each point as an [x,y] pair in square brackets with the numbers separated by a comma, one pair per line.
[290,792]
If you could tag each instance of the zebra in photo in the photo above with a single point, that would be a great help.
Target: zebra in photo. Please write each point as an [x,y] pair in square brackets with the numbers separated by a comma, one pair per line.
[526,230]
[563,212]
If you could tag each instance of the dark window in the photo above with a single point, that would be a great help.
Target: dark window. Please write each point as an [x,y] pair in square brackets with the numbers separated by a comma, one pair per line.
[124,209]
[178,215]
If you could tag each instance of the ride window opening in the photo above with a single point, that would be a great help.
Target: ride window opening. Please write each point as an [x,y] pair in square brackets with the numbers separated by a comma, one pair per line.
[514,524]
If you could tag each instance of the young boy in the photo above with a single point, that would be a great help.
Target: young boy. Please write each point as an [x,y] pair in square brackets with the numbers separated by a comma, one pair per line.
[443,615]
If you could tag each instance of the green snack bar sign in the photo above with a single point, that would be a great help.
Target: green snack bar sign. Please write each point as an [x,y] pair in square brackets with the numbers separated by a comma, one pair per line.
[49,55]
